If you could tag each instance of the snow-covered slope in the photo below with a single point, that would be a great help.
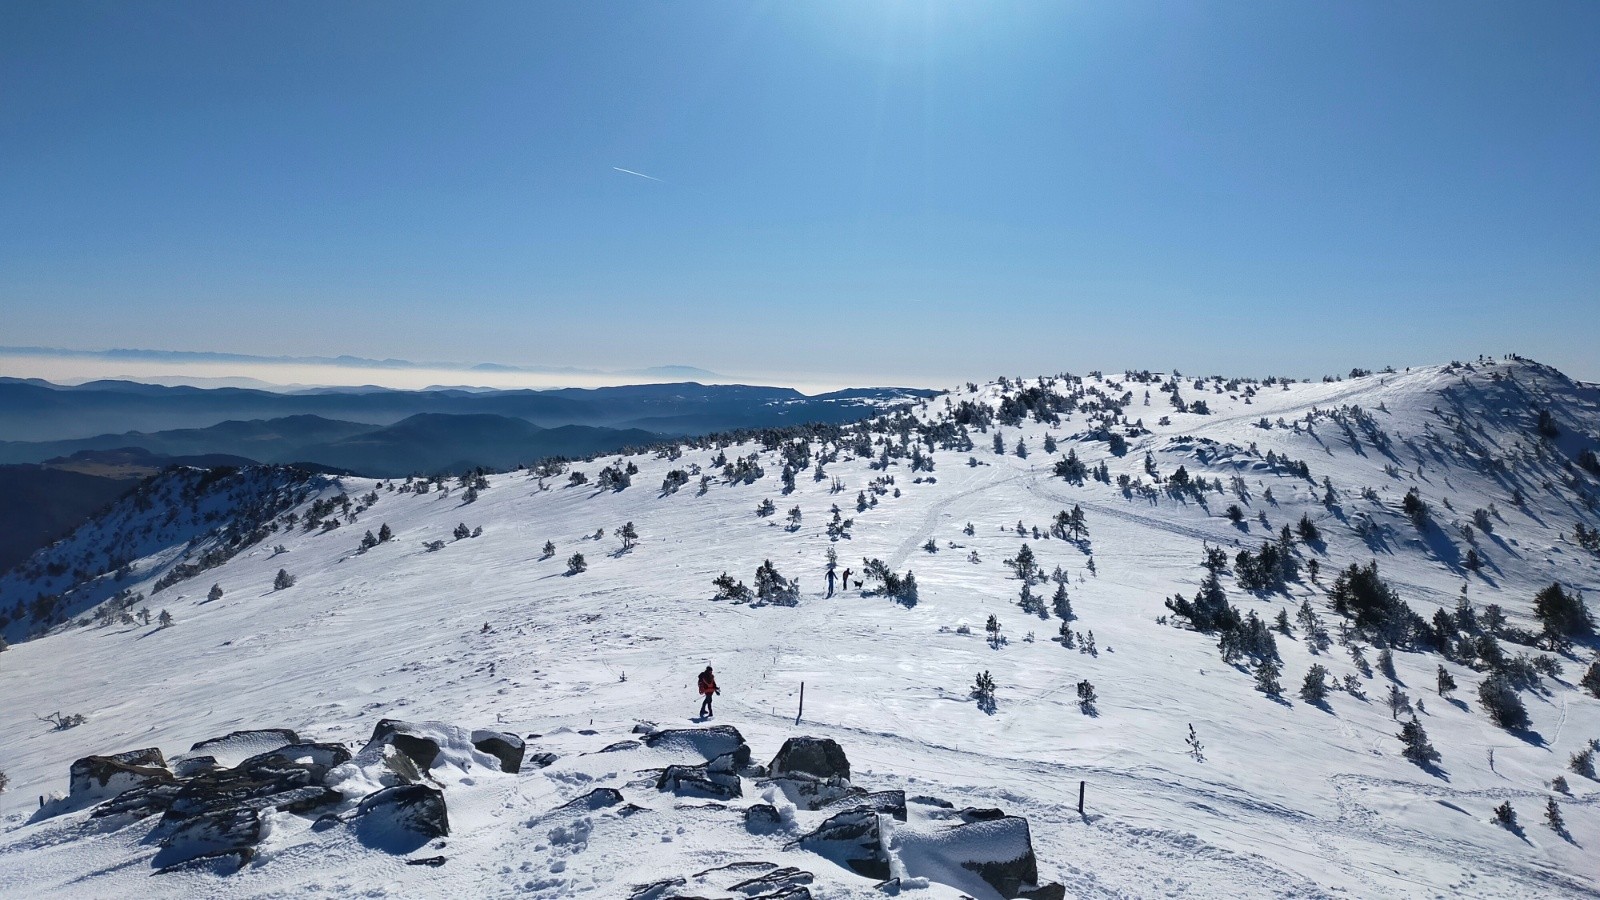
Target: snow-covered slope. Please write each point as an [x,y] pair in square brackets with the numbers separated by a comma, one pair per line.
[1282,797]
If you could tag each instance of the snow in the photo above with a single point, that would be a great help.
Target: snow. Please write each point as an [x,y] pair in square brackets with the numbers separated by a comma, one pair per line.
[1288,800]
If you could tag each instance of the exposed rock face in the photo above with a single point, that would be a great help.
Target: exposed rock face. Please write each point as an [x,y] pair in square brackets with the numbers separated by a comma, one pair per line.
[892,803]
[508,748]
[762,818]
[413,808]
[778,880]
[95,777]
[541,760]
[717,779]
[319,757]
[853,839]
[420,750]
[210,833]
[820,757]
[190,766]
[599,798]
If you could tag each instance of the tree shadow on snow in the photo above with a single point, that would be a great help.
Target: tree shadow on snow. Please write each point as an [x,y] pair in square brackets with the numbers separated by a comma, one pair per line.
[1434,770]
[1527,736]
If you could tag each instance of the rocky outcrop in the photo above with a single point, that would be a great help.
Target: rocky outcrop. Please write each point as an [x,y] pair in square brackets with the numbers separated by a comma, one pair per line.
[717,780]
[703,744]
[237,746]
[97,777]
[508,748]
[405,809]
[890,803]
[599,798]
[221,832]
[819,757]
[778,881]
[811,793]
[762,818]
[421,750]
[853,839]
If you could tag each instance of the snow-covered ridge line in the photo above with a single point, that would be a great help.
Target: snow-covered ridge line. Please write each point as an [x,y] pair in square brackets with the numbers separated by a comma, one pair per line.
[1209,768]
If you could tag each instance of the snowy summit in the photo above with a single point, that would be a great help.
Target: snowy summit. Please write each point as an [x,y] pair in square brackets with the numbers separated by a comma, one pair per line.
[1127,634]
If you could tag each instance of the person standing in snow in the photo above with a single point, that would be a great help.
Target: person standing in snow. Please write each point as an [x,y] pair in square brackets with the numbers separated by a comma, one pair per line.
[708,687]
[846,581]
[831,577]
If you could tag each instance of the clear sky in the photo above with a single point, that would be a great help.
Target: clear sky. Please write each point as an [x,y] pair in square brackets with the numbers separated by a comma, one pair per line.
[839,191]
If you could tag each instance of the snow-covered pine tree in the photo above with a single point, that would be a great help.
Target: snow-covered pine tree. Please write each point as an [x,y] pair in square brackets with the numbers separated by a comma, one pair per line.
[983,691]
[1446,682]
[576,564]
[214,594]
[1552,815]
[1386,663]
[1314,689]
[1267,672]
[629,537]
[1499,699]
[1415,740]
[1397,701]
[282,580]
[771,587]
[1505,816]
[1591,679]
[1582,763]
[1060,604]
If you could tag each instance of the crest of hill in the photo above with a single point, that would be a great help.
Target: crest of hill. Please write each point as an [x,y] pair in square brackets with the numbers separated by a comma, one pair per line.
[1201,780]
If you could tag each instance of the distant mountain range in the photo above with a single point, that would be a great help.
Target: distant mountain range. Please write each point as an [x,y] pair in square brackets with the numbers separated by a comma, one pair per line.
[73,449]
[33,410]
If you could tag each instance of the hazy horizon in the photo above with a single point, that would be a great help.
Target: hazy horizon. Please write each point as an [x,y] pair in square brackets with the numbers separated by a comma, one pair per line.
[824,193]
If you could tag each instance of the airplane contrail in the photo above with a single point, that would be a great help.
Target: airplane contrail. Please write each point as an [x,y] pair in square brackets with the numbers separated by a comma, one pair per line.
[632,172]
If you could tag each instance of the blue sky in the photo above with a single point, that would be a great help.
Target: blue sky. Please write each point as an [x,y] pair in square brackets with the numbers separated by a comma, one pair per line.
[848,191]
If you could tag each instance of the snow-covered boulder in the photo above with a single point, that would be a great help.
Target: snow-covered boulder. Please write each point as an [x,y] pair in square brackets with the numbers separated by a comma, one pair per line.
[701,744]
[695,781]
[762,818]
[402,818]
[890,803]
[809,792]
[853,839]
[413,748]
[786,881]
[102,777]
[237,746]
[221,831]
[996,851]
[599,798]
[508,748]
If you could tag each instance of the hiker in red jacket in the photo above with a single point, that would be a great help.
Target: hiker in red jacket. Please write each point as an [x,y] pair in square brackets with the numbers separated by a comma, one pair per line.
[708,687]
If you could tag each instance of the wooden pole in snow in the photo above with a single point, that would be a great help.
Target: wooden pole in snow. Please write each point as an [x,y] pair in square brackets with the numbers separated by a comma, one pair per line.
[802,709]
[1080,797]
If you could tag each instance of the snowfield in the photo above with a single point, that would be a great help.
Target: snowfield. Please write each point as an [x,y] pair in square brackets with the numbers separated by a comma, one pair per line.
[1283,798]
